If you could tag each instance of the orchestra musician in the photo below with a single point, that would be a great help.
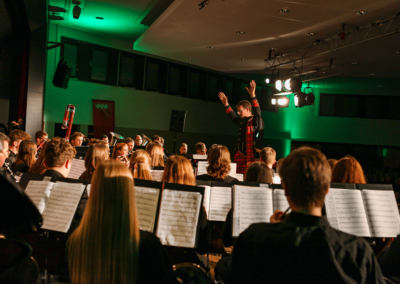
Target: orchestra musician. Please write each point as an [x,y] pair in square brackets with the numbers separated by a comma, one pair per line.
[4,141]
[120,153]
[40,137]
[96,154]
[16,136]
[156,154]
[140,164]
[76,139]
[131,145]
[25,158]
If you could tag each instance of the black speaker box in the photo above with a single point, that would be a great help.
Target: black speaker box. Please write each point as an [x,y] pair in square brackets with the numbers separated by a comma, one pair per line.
[178,118]
[61,77]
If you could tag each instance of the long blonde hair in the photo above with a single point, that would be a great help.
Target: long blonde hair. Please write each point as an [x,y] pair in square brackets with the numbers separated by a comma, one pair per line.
[104,248]
[26,153]
[39,167]
[156,154]
[95,155]
[140,165]
[179,170]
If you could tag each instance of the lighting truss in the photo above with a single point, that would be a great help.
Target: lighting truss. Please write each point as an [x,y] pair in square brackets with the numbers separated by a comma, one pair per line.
[349,38]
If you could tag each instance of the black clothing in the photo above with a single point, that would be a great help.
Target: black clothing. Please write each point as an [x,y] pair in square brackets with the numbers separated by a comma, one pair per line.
[52,173]
[303,249]
[389,260]
[207,177]
[22,168]
[227,238]
[11,158]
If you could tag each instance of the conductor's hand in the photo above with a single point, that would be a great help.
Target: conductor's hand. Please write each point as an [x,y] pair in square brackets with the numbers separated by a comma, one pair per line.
[223,98]
[275,218]
[252,89]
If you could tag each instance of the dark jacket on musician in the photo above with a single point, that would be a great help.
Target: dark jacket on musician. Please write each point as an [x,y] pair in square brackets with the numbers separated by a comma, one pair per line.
[207,177]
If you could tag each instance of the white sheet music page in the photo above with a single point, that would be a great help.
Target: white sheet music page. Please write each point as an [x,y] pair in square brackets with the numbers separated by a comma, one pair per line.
[382,212]
[157,174]
[220,203]
[232,173]
[178,219]
[88,188]
[61,207]
[39,192]
[199,157]
[77,168]
[206,199]
[280,200]
[276,178]
[240,177]
[146,206]
[331,210]
[350,212]
[202,168]
[251,205]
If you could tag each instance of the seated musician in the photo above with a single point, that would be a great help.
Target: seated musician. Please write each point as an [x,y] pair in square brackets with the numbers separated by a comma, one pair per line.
[140,164]
[130,143]
[110,248]
[120,153]
[4,142]
[219,160]
[348,170]
[138,140]
[268,156]
[159,139]
[104,138]
[96,154]
[200,148]
[156,153]
[58,157]
[25,158]
[304,248]
[40,137]
[39,167]
[16,136]
[183,149]
[76,139]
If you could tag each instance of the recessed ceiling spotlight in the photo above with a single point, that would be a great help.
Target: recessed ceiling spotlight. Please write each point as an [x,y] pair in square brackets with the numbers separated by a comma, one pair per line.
[99,18]
[230,69]
[371,74]
[283,11]
[310,34]
[240,32]
[354,63]
[210,47]
[360,13]
[189,58]
[272,48]
[397,52]
[242,59]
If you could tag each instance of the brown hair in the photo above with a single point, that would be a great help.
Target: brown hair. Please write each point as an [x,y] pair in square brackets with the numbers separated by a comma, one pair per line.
[219,160]
[39,134]
[268,156]
[305,174]
[332,162]
[200,146]
[117,148]
[179,170]
[17,134]
[95,155]
[3,138]
[244,104]
[128,139]
[348,170]
[105,246]
[26,153]
[75,135]
[259,172]
[58,151]
[140,165]
[39,166]
[156,154]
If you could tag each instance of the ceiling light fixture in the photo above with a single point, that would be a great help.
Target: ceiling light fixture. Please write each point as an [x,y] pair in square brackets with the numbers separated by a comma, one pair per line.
[278,85]
[280,101]
[210,47]
[267,80]
[230,69]
[240,32]
[284,11]
[310,34]
[76,11]
[360,13]
[304,99]
[99,18]
[354,63]
[188,58]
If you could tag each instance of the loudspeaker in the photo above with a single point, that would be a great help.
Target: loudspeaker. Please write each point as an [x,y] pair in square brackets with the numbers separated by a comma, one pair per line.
[61,77]
[178,118]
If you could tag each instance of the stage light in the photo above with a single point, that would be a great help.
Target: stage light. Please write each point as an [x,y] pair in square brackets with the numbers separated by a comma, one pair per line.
[278,85]
[281,101]
[287,85]
[295,84]
[273,102]
[267,80]
[302,99]
[76,11]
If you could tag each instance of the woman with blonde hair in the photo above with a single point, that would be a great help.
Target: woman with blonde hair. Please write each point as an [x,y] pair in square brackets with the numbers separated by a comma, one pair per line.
[39,166]
[179,170]
[25,158]
[219,165]
[140,165]
[108,247]
[96,154]
[348,170]
[156,154]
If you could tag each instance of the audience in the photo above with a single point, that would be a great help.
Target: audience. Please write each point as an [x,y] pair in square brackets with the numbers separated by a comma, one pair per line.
[110,248]
[4,142]
[140,164]
[95,155]
[16,136]
[76,139]
[348,170]
[183,149]
[200,148]
[219,160]
[156,154]
[25,158]
[58,157]
[39,167]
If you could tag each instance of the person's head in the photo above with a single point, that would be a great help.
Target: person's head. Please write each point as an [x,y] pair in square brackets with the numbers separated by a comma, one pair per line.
[332,162]
[16,136]
[76,139]
[244,108]
[130,143]
[159,139]
[305,176]
[348,170]
[210,150]
[259,172]
[138,140]
[59,155]
[41,136]
[156,154]
[140,165]
[219,161]
[96,154]
[178,169]
[4,141]
[39,167]
[104,138]
[268,156]
[109,228]
[21,121]
[26,153]
[201,148]
[183,149]
[120,149]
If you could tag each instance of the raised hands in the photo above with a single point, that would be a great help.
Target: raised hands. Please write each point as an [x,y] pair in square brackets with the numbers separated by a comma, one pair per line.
[223,98]
[252,89]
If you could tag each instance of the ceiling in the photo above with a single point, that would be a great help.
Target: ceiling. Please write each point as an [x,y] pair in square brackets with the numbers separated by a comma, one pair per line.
[180,31]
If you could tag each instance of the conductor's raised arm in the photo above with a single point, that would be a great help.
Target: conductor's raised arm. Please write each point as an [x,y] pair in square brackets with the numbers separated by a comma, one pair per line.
[252,89]
[223,98]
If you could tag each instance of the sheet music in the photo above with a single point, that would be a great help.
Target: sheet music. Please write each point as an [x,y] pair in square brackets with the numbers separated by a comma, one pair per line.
[220,203]
[39,192]
[88,187]
[157,174]
[206,199]
[199,157]
[179,215]
[202,168]
[276,178]
[240,177]
[61,206]
[251,205]
[331,210]
[280,200]
[350,212]
[146,206]
[77,168]
[382,213]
